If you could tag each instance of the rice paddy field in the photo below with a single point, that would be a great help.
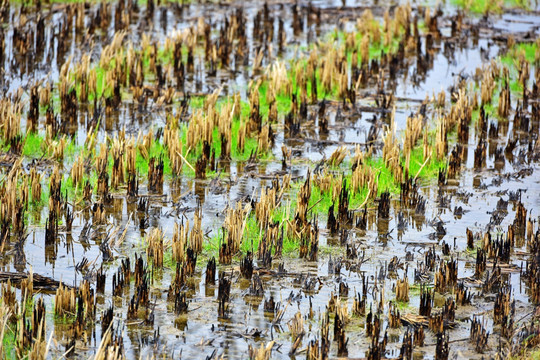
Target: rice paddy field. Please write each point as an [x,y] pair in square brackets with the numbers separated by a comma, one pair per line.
[269,180]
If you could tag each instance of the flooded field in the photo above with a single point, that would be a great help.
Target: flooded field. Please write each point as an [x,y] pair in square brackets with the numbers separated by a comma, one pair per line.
[269,180]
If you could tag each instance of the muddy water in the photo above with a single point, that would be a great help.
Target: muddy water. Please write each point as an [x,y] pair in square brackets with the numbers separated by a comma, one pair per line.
[201,332]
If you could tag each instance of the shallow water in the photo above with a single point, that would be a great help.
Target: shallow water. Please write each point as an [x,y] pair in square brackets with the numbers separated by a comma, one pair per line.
[201,332]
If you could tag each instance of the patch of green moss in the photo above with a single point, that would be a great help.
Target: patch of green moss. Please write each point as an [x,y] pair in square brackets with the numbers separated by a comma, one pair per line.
[4,147]
[168,261]
[75,192]
[320,201]
[290,246]
[471,253]
[250,144]
[529,51]
[280,214]
[72,150]
[252,235]
[283,102]
[532,355]
[487,6]
[196,102]
[8,344]
[157,150]
[477,6]
[32,147]
[64,319]
[430,170]
[385,177]
[327,250]
[211,244]
[44,195]
[403,306]
[358,198]
[100,84]
[250,241]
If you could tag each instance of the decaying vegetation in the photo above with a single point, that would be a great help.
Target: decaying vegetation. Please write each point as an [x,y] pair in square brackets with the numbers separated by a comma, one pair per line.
[167,179]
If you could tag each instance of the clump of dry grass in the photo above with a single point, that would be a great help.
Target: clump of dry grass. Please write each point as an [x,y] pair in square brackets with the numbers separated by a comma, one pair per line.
[196,235]
[145,144]
[309,241]
[131,157]
[5,316]
[10,119]
[441,139]
[27,285]
[117,152]
[265,206]
[338,156]
[365,176]
[262,353]
[65,301]
[111,347]
[342,310]
[279,80]
[179,241]
[154,248]
[77,171]
[391,151]
[303,202]
[441,99]
[413,131]
[234,225]
[241,142]
[296,325]
[171,140]
[225,120]
[394,318]
[86,293]
[402,289]
[9,300]
[488,84]
[55,199]
[35,185]
[39,347]
[504,105]
[264,139]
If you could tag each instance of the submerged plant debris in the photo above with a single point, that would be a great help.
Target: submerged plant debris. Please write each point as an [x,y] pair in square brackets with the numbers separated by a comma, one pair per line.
[284,179]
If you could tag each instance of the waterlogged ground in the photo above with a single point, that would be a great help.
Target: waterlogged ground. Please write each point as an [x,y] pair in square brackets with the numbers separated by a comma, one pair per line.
[425,61]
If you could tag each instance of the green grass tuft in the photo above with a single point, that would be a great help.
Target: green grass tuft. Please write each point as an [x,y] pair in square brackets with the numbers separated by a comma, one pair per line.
[32,147]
